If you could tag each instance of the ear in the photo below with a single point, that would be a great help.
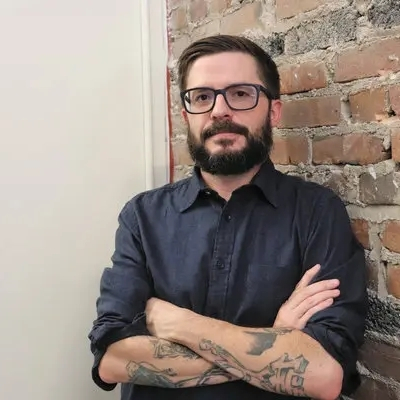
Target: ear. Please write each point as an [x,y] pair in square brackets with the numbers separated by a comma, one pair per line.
[276,112]
[184,115]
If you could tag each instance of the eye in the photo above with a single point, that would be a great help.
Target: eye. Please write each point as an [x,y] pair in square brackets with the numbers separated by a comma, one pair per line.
[241,93]
[202,97]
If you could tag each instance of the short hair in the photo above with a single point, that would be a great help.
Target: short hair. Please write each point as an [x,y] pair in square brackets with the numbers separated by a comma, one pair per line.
[216,44]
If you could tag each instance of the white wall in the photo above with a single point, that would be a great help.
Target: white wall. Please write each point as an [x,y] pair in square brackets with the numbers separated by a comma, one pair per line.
[79,137]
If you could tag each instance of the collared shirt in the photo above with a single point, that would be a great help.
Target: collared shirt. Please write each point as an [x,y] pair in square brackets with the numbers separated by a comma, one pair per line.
[237,261]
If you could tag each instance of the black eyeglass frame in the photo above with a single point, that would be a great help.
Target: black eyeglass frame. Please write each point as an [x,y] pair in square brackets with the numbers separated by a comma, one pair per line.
[259,88]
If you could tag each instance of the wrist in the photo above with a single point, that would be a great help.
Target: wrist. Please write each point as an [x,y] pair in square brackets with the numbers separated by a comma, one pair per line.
[185,326]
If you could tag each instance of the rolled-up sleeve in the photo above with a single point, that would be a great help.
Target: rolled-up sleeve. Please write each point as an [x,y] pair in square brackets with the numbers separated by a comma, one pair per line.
[339,328]
[125,288]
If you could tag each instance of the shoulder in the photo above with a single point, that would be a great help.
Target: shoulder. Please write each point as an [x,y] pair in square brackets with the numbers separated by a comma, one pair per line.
[308,195]
[158,199]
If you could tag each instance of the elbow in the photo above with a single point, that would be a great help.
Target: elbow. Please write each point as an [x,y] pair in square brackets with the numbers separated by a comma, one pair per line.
[331,381]
[106,369]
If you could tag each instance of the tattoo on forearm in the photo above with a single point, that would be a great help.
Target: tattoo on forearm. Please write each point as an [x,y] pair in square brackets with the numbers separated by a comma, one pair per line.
[149,375]
[264,340]
[284,375]
[164,349]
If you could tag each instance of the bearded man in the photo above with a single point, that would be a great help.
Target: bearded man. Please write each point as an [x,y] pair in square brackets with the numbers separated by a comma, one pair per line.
[239,282]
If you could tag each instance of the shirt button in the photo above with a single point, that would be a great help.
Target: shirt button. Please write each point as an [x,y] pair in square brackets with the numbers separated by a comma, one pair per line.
[228,217]
[220,264]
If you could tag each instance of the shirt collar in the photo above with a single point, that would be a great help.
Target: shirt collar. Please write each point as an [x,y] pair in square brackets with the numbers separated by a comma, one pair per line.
[193,188]
[265,180]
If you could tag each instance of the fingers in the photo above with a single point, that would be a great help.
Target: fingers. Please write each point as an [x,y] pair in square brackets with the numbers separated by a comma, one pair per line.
[308,276]
[310,302]
[301,294]
[313,310]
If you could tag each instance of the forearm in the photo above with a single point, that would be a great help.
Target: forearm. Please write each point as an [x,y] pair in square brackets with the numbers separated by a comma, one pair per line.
[277,360]
[144,360]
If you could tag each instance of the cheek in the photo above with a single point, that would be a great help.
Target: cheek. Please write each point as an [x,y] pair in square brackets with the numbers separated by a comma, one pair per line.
[196,126]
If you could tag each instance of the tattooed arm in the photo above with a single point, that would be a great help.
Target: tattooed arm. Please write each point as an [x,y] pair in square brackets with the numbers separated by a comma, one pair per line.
[279,360]
[144,360]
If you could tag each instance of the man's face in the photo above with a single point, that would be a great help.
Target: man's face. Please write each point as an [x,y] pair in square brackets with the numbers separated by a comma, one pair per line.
[225,141]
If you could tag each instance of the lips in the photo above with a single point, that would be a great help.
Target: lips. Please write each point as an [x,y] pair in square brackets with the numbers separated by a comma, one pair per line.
[226,135]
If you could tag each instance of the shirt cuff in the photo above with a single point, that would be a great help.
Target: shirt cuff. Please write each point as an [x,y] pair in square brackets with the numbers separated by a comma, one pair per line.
[99,347]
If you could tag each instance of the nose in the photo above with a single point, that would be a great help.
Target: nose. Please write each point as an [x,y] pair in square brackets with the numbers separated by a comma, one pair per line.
[221,108]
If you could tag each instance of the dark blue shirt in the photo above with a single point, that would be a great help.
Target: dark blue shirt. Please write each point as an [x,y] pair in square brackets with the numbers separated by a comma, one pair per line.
[236,260]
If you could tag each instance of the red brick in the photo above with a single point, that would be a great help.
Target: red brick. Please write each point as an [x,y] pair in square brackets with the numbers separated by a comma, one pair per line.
[247,17]
[290,8]
[290,150]
[302,77]
[396,144]
[218,6]
[391,236]
[312,112]
[368,105]
[393,280]
[375,59]
[178,19]
[328,150]
[362,149]
[181,154]
[394,99]
[198,10]
[361,230]
[356,148]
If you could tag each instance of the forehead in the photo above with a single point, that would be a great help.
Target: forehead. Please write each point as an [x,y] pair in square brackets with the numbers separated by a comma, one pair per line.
[222,69]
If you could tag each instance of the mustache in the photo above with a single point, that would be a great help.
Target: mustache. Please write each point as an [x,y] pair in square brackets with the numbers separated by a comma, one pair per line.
[224,126]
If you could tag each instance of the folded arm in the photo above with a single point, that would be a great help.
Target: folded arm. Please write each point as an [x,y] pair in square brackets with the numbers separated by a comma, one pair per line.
[317,360]
[123,348]
[145,360]
[279,360]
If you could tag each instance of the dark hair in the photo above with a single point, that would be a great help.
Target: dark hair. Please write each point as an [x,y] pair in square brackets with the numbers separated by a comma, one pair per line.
[226,43]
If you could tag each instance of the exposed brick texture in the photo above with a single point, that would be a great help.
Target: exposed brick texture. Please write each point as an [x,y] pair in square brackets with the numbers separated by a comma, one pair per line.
[368,105]
[368,60]
[393,282]
[290,8]
[396,145]
[290,150]
[302,77]
[339,64]
[198,10]
[311,112]
[245,18]
[391,236]
[361,230]
[356,148]
[394,99]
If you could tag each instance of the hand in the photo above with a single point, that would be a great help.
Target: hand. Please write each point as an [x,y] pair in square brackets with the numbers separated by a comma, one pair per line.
[306,300]
[163,318]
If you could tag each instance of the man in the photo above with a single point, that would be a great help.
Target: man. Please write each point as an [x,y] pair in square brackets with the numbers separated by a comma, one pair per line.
[239,282]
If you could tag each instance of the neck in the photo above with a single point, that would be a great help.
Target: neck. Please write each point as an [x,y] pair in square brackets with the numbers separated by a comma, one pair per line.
[225,185]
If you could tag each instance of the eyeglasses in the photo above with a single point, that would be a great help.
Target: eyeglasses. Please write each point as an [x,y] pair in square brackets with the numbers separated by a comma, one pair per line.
[239,97]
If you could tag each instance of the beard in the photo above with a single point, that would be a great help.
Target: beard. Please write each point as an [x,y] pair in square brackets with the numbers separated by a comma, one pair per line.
[233,162]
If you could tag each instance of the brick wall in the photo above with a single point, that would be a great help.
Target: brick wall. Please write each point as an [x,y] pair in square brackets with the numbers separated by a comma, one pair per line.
[339,62]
